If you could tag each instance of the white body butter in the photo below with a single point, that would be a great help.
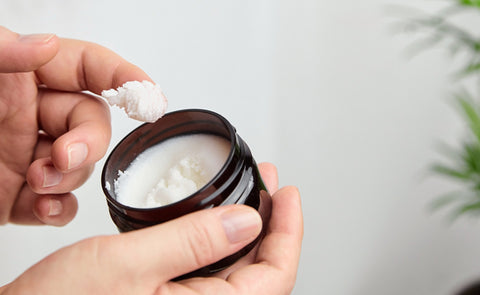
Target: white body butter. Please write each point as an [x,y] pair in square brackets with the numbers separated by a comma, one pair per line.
[171,170]
[143,101]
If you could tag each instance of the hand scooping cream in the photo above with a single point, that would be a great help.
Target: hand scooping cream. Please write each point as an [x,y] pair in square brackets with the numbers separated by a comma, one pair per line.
[171,170]
[143,101]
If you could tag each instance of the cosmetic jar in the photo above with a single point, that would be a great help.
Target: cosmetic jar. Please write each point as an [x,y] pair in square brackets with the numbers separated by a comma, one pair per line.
[237,182]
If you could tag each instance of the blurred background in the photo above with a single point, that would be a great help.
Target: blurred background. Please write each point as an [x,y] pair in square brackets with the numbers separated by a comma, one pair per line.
[324,90]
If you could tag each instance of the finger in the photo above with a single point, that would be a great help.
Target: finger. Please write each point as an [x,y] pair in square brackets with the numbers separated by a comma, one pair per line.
[57,210]
[33,209]
[81,124]
[279,252]
[24,53]
[43,178]
[265,211]
[269,176]
[285,231]
[160,253]
[81,65]
[44,146]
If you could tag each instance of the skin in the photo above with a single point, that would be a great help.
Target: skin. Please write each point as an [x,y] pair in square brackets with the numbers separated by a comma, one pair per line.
[62,68]
[45,121]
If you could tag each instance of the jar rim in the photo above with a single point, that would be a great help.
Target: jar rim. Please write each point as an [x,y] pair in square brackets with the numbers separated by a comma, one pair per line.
[231,131]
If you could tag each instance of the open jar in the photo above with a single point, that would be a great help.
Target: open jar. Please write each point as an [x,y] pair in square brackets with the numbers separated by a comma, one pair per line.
[237,182]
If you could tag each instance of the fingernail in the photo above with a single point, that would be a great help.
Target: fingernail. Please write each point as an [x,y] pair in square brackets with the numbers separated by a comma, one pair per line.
[55,207]
[241,224]
[36,38]
[51,176]
[77,153]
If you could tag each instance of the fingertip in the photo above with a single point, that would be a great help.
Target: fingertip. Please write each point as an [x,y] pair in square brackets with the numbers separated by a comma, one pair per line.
[104,69]
[269,175]
[36,50]
[267,167]
[44,178]
[69,155]
[38,39]
[126,72]
[287,206]
[77,153]
[23,53]
[288,195]
[241,223]
[291,190]
[42,174]
[56,210]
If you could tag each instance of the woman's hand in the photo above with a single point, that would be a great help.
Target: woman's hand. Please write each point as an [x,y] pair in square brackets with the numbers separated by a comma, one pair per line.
[145,261]
[51,134]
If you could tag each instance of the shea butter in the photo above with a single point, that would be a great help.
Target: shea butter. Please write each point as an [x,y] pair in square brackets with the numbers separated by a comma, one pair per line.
[171,170]
[143,101]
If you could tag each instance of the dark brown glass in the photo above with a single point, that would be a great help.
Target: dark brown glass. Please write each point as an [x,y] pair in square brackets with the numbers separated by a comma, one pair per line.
[238,181]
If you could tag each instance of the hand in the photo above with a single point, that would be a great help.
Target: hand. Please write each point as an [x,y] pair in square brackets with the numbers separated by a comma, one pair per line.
[51,134]
[144,261]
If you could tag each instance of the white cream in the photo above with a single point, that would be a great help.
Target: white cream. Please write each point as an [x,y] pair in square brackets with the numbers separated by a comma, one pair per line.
[143,101]
[171,170]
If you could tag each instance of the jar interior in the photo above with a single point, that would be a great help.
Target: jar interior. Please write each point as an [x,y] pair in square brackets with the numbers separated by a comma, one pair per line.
[150,134]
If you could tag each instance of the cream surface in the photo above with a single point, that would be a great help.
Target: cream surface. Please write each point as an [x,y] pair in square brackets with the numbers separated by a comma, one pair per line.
[171,171]
[143,101]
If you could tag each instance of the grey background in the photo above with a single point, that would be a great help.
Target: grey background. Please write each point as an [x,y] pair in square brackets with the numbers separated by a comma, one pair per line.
[322,89]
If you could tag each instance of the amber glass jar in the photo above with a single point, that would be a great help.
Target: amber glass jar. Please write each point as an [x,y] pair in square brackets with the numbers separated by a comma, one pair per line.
[238,181]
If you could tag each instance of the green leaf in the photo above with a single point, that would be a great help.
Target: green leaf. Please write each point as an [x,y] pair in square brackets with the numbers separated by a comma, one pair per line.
[472,157]
[474,3]
[446,199]
[450,172]
[471,112]
[469,70]
[476,188]
[469,208]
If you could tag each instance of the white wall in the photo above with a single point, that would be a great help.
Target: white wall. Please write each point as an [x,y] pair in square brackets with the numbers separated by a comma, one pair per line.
[321,88]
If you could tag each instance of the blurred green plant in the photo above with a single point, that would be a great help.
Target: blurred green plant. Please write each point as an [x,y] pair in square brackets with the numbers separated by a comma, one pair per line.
[462,163]
[438,29]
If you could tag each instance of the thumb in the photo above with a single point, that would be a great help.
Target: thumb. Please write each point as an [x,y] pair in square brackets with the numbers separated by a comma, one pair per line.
[188,243]
[139,262]
[24,53]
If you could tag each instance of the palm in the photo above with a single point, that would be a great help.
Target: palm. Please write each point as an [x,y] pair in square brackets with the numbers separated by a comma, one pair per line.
[18,135]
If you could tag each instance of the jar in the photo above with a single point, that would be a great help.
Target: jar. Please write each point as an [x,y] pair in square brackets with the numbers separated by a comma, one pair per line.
[237,182]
